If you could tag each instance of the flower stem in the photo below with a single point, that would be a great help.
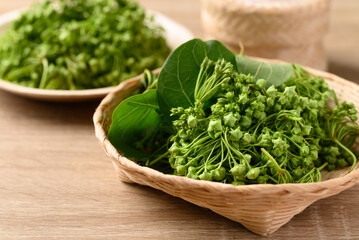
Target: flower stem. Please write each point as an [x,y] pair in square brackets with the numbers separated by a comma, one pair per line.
[279,169]
[350,152]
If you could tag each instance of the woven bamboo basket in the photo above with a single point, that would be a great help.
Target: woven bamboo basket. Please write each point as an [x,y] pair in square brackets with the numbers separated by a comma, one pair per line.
[262,208]
[291,30]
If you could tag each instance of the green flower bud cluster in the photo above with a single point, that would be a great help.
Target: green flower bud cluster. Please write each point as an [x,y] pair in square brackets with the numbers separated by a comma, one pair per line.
[80,44]
[251,134]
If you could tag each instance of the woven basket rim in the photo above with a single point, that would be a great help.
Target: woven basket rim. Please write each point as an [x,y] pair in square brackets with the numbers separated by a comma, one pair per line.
[279,6]
[260,189]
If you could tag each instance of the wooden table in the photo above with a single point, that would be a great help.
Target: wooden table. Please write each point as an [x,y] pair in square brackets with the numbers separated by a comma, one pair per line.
[57,183]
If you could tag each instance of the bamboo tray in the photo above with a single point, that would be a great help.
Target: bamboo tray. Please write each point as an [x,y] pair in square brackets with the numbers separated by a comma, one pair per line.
[261,208]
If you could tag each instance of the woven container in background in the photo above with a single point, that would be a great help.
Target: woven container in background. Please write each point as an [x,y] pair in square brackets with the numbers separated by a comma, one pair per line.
[262,208]
[290,30]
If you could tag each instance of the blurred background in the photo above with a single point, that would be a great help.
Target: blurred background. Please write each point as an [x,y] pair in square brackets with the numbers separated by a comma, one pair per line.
[341,41]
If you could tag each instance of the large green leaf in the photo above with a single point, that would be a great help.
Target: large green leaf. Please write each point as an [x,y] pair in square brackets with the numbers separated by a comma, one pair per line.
[177,80]
[134,119]
[275,74]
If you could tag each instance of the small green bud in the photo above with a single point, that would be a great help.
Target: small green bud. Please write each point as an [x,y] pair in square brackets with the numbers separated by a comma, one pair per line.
[283,100]
[304,150]
[192,169]
[219,174]
[297,173]
[277,152]
[277,134]
[215,125]
[314,154]
[289,91]
[296,130]
[245,89]
[261,180]
[273,170]
[297,138]
[277,107]
[181,170]
[238,85]
[210,167]
[261,98]
[261,106]
[272,91]
[222,101]
[259,115]
[192,175]
[245,122]
[171,160]
[313,113]
[295,161]
[182,133]
[192,162]
[342,163]
[235,135]
[263,171]
[243,99]
[192,172]
[192,121]
[229,120]
[228,107]
[353,117]
[180,160]
[308,162]
[238,170]
[235,145]
[307,129]
[254,104]
[264,139]
[174,149]
[183,143]
[206,176]
[330,159]
[304,101]
[279,143]
[313,103]
[270,101]
[230,95]
[334,151]
[247,158]
[253,173]
[246,139]
[249,112]
[261,83]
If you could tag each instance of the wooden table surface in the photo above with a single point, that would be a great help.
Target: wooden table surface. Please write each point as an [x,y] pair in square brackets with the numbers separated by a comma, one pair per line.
[57,183]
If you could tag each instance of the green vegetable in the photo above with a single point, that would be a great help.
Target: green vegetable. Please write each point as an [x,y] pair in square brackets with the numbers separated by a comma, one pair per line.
[236,128]
[80,44]
[177,80]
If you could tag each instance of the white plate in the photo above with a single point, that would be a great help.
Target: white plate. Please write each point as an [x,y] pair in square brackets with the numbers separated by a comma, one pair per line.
[175,35]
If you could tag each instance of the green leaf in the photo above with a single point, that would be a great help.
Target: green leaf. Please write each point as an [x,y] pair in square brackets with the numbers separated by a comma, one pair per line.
[275,74]
[177,80]
[134,119]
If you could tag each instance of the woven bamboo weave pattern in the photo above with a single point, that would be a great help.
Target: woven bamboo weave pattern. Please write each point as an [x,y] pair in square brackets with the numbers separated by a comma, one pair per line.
[291,30]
